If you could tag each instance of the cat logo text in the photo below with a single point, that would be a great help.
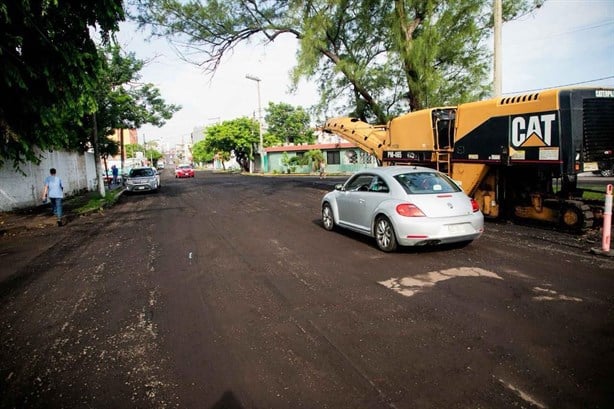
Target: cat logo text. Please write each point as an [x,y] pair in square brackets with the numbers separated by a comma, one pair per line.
[533,131]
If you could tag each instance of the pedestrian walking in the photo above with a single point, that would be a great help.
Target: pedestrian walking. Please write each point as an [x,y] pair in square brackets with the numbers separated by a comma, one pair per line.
[115,173]
[54,191]
[322,169]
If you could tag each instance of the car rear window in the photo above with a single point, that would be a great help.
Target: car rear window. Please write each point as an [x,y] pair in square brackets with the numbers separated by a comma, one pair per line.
[426,182]
[185,167]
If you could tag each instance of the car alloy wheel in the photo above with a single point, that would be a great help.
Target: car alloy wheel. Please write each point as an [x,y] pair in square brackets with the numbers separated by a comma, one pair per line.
[384,234]
[327,217]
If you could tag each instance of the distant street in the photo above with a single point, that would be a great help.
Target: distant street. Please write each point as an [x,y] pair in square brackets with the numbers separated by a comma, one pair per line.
[224,291]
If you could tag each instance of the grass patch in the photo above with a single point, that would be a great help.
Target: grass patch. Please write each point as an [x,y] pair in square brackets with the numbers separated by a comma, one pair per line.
[95,202]
[593,192]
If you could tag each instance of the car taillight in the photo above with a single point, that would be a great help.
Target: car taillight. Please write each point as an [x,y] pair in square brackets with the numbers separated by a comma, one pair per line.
[474,205]
[409,210]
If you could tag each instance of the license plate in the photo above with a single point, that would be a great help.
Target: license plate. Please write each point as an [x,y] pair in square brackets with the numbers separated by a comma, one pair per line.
[459,228]
[140,188]
[590,166]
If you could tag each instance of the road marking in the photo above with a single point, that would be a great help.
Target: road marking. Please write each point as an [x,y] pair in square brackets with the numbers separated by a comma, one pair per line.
[545,294]
[523,395]
[409,286]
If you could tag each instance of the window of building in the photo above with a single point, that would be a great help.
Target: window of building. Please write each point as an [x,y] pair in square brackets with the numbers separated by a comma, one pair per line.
[333,158]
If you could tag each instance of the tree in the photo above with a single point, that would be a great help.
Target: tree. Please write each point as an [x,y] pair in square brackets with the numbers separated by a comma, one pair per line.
[288,124]
[48,64]
[238,135]
[132,148]
[383,57]
[315,157]
[201,152]
[108,147]
[122,102]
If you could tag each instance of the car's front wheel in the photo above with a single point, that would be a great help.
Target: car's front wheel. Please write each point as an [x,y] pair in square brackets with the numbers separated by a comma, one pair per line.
[384,234]
[328,220]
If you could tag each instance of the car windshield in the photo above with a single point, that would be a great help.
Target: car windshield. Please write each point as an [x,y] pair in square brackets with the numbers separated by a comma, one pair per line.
[185,167]
[138,173]
[426,182]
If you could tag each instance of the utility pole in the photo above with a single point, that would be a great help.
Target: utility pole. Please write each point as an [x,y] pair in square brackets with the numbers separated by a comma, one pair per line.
[144,147]
[122,148]
[261,148]
[498,21]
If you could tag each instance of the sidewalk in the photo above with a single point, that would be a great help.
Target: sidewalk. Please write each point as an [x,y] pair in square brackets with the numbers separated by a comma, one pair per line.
[41,217]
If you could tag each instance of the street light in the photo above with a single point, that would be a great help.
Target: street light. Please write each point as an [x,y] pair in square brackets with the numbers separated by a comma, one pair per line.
[261,149]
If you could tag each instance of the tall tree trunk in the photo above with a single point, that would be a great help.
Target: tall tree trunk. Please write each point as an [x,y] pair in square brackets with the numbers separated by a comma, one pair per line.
[101,187]
[406,32]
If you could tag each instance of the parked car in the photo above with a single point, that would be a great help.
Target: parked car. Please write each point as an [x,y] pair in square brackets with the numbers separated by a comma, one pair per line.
[143,179]
[606,168]
[108,177]
[403,205]
[184,171]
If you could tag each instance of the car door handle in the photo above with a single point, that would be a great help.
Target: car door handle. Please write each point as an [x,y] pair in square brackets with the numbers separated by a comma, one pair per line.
[361,201]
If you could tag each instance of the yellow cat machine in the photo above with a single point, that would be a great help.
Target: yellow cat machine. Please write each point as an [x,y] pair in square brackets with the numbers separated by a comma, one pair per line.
[518,156]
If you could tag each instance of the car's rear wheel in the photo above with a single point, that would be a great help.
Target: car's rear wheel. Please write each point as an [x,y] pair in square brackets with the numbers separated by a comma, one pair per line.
[328,220]
[384,234]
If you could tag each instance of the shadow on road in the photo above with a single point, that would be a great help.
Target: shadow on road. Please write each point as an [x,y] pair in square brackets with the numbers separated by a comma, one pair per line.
[228,401]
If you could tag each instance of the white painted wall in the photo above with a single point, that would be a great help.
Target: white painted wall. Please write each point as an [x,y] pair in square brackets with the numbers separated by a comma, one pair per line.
[77,172]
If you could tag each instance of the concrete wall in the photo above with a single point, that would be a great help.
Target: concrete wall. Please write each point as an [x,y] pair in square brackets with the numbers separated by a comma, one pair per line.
[78,172]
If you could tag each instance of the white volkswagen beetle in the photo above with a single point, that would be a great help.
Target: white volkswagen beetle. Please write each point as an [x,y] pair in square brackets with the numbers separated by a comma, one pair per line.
[403,205]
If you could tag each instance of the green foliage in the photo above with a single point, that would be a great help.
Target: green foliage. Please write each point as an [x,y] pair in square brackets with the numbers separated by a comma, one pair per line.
[56,84]
[288,162]
[48,65]
[131,149]
[98,202]
[288,124]
[153,154]
[239,135]
[292,162]
[373,59]
[149,151]
[108,147]
[121,101]
[315,157]
[201,152]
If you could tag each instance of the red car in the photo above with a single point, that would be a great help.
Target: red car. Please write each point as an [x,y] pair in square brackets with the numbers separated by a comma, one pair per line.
[184,171]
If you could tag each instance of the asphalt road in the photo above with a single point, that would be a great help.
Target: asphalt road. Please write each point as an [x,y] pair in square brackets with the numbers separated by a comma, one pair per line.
[224,291]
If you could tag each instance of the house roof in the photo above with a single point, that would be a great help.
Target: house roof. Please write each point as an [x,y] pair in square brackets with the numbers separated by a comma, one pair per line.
[298,148]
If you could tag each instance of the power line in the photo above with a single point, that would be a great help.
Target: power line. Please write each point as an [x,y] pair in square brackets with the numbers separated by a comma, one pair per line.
[560,86]
[559,34]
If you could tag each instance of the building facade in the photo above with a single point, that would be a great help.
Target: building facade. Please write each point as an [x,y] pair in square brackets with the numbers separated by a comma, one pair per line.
[340,157]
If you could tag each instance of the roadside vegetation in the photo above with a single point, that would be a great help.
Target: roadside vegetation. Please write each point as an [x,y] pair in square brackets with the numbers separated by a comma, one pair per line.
[371,59]
[595,193]
[93,201]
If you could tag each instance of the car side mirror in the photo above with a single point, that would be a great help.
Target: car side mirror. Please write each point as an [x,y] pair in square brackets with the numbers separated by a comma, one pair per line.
[339,186]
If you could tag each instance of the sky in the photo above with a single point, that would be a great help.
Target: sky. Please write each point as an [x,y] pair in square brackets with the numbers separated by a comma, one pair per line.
[565,42]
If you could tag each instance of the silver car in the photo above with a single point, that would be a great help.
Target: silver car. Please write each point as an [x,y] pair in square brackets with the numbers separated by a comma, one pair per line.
[403,205]
[143,179]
